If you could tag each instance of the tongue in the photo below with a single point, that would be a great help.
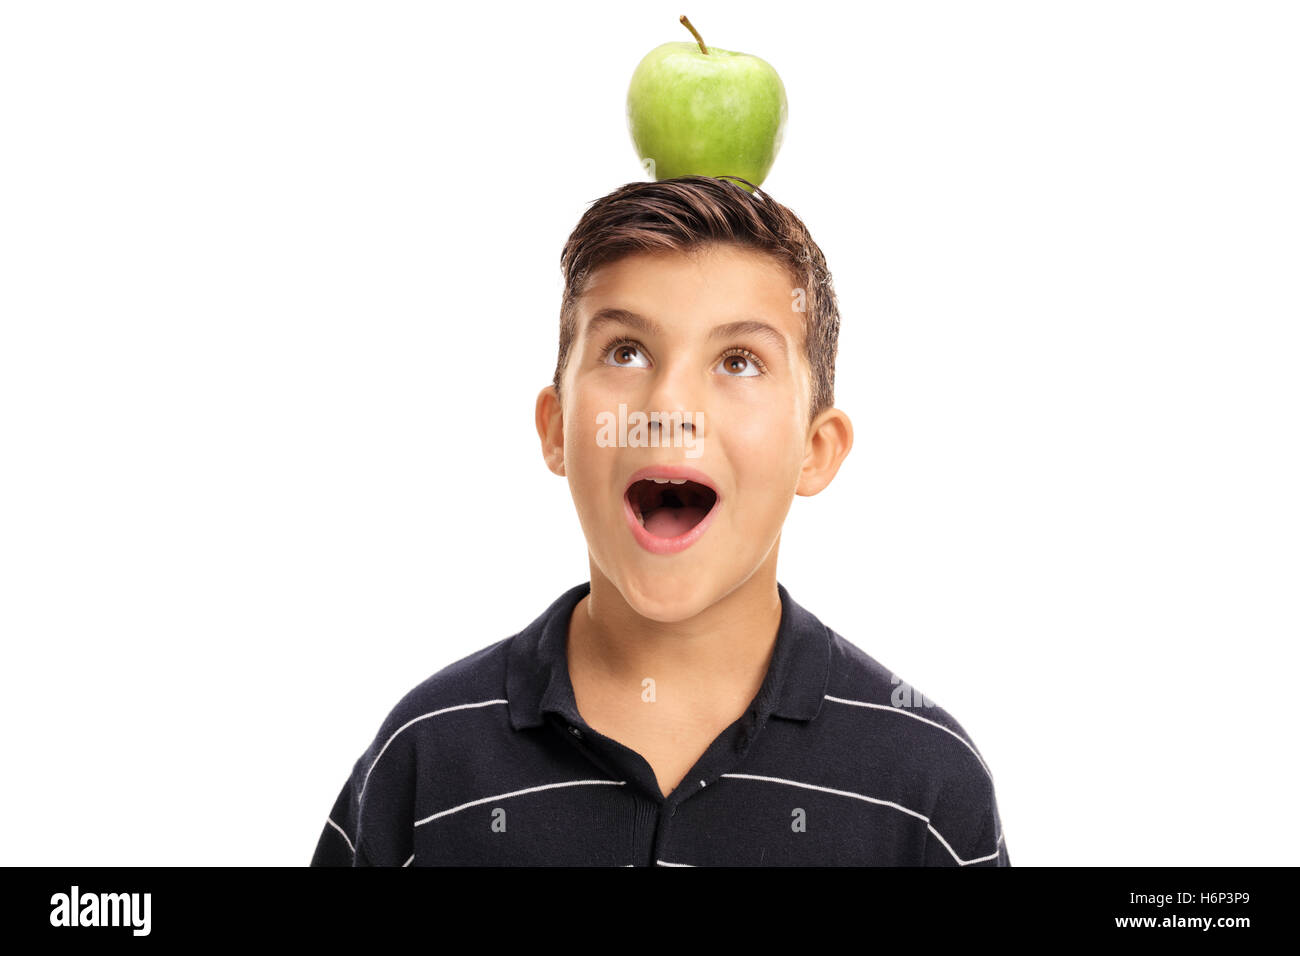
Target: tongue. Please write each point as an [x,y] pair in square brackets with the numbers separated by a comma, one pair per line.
[672,522]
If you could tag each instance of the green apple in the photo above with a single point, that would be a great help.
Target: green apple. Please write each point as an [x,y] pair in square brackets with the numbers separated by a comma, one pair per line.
[697,110]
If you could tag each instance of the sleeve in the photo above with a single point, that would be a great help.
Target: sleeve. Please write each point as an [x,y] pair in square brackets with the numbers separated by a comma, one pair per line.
[372,822]
[965,828]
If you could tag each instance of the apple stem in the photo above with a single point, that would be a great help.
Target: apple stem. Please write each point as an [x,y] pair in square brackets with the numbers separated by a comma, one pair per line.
[694,32]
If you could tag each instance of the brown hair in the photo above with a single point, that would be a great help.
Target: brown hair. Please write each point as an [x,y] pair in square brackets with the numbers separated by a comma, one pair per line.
[690,212]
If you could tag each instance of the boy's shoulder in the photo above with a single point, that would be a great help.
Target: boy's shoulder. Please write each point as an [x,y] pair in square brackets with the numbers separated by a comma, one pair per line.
[483,678]
[476,680]
[857,678]
[899,727]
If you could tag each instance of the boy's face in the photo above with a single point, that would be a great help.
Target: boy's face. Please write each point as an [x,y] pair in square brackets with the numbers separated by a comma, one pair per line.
[747,391]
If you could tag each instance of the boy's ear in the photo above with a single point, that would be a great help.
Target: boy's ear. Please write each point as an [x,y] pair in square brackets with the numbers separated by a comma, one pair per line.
[830,436]
[550,428]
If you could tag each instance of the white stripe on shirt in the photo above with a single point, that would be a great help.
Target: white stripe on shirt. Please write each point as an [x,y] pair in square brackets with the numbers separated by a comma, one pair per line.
[515,793]
[435,713]
[861,796]
[925,720]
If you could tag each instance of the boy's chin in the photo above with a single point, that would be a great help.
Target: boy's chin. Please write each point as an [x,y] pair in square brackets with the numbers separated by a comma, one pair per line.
[668,596]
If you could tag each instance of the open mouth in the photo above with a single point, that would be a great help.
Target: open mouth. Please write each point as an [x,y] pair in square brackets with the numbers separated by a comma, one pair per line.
[670,507]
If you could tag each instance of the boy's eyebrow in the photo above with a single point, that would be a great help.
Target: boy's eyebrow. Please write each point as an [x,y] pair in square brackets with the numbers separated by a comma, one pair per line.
[603,317]
[750,327]
[649,328]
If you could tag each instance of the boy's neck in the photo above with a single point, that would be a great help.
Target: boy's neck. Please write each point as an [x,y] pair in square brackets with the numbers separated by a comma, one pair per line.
[710,661]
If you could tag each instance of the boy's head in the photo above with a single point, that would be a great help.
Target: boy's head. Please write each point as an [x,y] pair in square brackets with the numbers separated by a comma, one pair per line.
[687,214]
[698,336]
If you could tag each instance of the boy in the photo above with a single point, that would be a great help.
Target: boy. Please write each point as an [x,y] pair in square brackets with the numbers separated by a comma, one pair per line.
[679,709]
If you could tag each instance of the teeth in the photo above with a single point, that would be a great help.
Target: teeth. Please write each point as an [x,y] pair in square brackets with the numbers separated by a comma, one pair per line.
[660,481]
[677,481]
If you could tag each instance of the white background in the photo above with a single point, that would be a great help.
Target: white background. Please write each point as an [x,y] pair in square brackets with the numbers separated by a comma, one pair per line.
[279,284]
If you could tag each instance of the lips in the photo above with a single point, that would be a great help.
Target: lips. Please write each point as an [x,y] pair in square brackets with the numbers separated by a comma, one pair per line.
[669,507]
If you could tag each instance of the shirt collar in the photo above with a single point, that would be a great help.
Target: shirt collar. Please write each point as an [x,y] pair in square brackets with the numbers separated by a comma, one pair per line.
[537,670]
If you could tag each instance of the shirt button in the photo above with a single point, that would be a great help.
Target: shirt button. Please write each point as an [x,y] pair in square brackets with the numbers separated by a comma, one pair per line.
[575,731]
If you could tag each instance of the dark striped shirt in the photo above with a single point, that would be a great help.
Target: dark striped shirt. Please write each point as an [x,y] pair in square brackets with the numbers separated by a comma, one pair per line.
[489,763]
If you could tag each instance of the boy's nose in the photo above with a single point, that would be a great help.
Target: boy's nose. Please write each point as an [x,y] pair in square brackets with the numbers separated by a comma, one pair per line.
[672,394]
[690,423]
[687,423]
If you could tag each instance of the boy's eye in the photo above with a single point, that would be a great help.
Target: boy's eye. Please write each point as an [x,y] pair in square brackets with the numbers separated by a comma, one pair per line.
[740,364]
[626,355]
